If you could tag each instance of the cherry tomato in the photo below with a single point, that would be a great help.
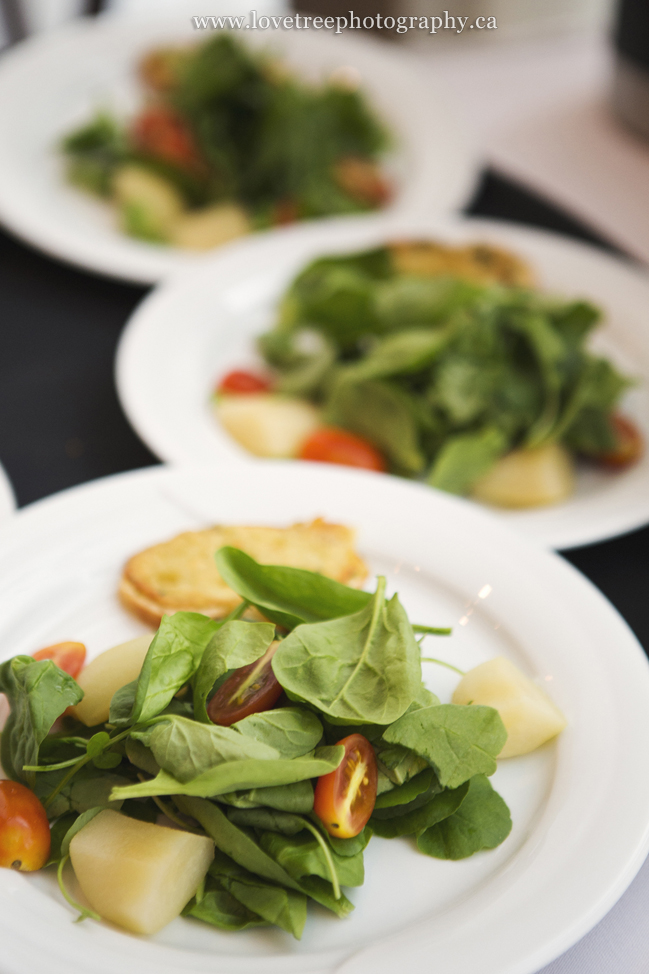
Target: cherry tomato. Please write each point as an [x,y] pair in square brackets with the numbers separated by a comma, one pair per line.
[240,382]
[285,212]
[363,180]
[249,690]
[24,829]
[332,445]
[344,798]
[629,447]
[160,132]
[68,656]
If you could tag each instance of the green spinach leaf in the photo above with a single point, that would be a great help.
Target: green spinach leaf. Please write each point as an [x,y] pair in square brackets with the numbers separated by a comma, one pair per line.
[411,822]
[38,693]
[287,596]
[481,822]
[301,855]
[362,668]
[459,742]
[233,645]
[292,731]
[296,798]
[172,659]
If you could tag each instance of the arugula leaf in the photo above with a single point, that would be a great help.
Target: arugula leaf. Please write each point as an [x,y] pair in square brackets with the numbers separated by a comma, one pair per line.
[233,645]
[172,659]
[481,822]
[411,822]
[38,693]
[287,596]
[292,731]
[362,668]
[459,742]
[238,775]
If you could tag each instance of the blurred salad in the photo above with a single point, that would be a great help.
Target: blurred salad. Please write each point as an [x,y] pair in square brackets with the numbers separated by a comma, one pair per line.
[229,141]
[442,363]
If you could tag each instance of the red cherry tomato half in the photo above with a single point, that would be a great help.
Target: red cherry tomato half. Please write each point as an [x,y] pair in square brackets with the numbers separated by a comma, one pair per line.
[630,446]
[344,798]
[68,656]
[240,382]
[24,829]
[332,445]
[160,132]
[250,690]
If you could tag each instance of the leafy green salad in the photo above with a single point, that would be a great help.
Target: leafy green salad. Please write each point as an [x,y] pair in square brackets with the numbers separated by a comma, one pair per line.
[474,384]
[228,141]
[348,665]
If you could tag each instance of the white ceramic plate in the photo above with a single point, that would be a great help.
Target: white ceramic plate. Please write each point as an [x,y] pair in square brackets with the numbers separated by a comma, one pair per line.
[580,805]
[190,332]
[53,83]
[7,499]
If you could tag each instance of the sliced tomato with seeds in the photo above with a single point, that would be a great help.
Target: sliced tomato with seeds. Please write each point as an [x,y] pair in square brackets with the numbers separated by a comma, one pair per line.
[344,798]
[241,382]
[329,444]
[68,656]
[250,690]
[630,445]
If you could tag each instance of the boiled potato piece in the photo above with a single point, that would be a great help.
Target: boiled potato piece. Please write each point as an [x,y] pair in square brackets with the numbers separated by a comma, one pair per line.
[105,674]
[137,874]
[528,478]
[529,716]
[268,425]
[210,227]
[150,206]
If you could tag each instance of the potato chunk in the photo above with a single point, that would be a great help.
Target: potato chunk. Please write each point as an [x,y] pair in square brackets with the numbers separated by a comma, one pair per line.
[150,205]
[137,874]
[527,712]
[528,478]
[268,425]
[210,227]
[103,677]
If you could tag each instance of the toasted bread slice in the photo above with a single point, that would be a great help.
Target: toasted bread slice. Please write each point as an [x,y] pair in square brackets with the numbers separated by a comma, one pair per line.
[181,574]
[479,262]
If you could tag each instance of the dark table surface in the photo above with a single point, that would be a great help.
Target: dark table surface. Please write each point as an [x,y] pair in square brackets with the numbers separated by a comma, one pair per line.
[62,424]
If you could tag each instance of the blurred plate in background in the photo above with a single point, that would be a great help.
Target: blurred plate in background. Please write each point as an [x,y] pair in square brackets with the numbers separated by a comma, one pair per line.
[193,330]
[54,82]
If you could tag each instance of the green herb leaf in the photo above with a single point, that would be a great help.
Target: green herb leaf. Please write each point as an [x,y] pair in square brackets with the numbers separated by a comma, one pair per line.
[481,822]
[362,668]
[287,596]
[172,659]
[38,693]
[459,742]
[233,645]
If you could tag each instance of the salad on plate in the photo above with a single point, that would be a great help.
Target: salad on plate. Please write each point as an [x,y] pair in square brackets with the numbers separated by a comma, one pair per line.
[228,141]
[444,363]
[233,769]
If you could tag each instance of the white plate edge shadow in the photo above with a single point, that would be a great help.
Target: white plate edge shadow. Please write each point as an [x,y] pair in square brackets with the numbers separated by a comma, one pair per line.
[110,253]
[605,513]
[629,677]
[7,496]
